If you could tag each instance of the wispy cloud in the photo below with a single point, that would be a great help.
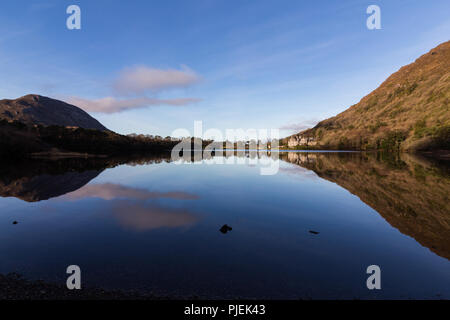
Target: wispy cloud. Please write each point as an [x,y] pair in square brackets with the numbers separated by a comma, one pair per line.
[252,57]
[300,125]
[142,79]
[113,105]
[135,88]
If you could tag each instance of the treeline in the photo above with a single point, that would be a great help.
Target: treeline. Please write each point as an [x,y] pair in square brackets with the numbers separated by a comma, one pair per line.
[18,139]
[99,142]
[431,138]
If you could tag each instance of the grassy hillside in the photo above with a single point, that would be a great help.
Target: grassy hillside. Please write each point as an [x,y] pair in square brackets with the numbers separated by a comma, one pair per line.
[408,111]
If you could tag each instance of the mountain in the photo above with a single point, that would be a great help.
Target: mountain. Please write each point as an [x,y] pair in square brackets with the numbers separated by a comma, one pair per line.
[35,109]
[39,126]
[409,111]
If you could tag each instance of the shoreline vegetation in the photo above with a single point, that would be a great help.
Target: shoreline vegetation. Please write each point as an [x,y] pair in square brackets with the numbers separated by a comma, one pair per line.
[443,154]
[19,140]
[437,139]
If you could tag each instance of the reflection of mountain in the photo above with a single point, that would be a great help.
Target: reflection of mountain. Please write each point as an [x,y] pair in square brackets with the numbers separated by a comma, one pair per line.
[409,192]
[134,208]
[36,180]
[45,186]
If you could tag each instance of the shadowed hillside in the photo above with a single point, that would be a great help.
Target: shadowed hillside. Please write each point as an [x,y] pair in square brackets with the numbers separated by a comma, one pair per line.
[35,109]
[18,140]
[37,125]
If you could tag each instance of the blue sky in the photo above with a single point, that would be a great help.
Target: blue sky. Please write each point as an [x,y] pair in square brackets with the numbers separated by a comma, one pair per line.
[232,64]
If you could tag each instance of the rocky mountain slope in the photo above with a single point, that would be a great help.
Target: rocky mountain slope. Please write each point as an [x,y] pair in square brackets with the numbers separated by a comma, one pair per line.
[35,109]
[408,111]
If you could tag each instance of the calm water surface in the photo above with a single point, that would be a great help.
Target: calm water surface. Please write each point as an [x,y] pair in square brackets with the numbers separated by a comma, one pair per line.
[153,225]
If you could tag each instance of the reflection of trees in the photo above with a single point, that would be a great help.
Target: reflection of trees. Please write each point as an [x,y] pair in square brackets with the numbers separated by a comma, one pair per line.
[410,192]
[42,179]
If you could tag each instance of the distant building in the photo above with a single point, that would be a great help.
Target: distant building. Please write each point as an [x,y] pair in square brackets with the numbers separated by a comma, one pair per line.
[300,140]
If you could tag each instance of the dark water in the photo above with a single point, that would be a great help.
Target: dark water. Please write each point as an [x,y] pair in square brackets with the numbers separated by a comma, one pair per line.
[309,231]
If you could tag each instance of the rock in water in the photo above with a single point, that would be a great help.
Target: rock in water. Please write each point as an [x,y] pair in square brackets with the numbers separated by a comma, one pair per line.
[225,228]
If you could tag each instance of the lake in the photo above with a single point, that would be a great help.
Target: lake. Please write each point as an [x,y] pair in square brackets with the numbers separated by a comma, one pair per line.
[308,231]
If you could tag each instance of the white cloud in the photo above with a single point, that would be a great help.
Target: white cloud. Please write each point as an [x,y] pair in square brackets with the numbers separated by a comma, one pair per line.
[133,87]
[111,191]
[113,105]
[300,125]
[141,79]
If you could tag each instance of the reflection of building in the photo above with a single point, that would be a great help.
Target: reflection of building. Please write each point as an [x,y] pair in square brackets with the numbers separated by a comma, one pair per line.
[299,140]
[301,158]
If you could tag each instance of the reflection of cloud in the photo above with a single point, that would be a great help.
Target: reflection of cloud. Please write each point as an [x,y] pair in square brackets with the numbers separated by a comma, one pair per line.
[112,105]
[131,209]
[142,79]
[110,191]
[141,216]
